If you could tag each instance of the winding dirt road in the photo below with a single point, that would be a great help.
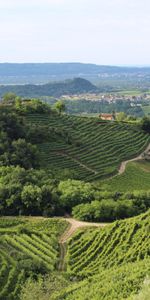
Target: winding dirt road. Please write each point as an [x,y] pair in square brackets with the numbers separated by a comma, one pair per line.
[140,157]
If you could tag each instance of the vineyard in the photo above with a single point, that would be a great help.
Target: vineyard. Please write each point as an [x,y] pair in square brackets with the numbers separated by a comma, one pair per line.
[122,242]
[27,245]
[90,148]
[114,261]
[116,283]
[135,177]
[102,263]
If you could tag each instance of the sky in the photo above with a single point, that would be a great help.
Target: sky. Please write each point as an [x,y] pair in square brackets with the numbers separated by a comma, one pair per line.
[105,32]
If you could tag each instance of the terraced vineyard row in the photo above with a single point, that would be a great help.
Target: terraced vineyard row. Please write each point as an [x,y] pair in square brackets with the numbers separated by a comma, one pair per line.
[26,246]
[115,283]
[96,148]
[90,251]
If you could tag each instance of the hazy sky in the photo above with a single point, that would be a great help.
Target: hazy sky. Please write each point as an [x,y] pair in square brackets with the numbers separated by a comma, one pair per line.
[115,32]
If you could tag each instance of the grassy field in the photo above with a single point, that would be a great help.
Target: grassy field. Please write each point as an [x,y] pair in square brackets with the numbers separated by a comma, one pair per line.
[27,245]
[135,177]
[88,147]
[129,92]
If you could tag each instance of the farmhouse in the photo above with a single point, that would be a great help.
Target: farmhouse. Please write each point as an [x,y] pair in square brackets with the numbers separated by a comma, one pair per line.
[108,117]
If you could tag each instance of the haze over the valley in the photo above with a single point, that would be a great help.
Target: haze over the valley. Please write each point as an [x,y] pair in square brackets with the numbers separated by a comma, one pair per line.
[105,32]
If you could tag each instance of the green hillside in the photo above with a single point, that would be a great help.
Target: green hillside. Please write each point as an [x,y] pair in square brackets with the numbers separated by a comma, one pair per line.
[106,263]
[57,89]
[119,243]
[123,282]
[118,255]
[27,246]
[135,177]
[89,148]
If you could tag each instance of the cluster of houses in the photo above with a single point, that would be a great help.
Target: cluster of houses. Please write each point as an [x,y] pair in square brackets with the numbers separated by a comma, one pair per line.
[110,98]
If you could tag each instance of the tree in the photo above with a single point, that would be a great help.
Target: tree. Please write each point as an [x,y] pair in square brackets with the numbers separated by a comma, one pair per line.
[60,106]
[121,116]
[9,97]
[74,192]
[146,124]
[23,154]
[32,197]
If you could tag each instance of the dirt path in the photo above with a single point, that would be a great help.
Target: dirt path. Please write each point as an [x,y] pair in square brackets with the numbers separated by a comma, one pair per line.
[78,161]
[140,157]
[73,226]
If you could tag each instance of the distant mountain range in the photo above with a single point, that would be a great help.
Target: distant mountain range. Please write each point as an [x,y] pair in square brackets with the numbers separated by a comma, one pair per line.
[40,73]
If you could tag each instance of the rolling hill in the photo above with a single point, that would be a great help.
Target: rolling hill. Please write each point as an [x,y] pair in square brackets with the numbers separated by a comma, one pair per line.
[74,86]
[89,148]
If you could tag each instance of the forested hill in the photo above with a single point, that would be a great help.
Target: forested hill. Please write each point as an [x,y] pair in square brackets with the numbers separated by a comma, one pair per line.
[75,86]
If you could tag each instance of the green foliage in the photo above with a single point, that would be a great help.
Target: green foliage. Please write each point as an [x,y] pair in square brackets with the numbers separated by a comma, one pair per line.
[59,106]
[117,283]
[117,244]
[144,293]
[29,247]
[14,146]
[74,192]
[88,107]
[27,192]
[43,288]
[146,124]
[121,116]
[9,97]
[105,210]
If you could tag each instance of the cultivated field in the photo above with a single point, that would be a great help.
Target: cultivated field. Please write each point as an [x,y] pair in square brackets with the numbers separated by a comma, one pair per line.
[113,260]
[26,245]
[135,177]
[91,149]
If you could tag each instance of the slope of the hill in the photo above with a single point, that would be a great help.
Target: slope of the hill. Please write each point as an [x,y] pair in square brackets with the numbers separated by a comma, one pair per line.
[125,241]
[135,177]
[87,147]
[28,246]
[115,260]
[118,283]
[74,86]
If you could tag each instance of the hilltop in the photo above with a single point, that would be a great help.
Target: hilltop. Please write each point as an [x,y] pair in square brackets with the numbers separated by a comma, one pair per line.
[74,86]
